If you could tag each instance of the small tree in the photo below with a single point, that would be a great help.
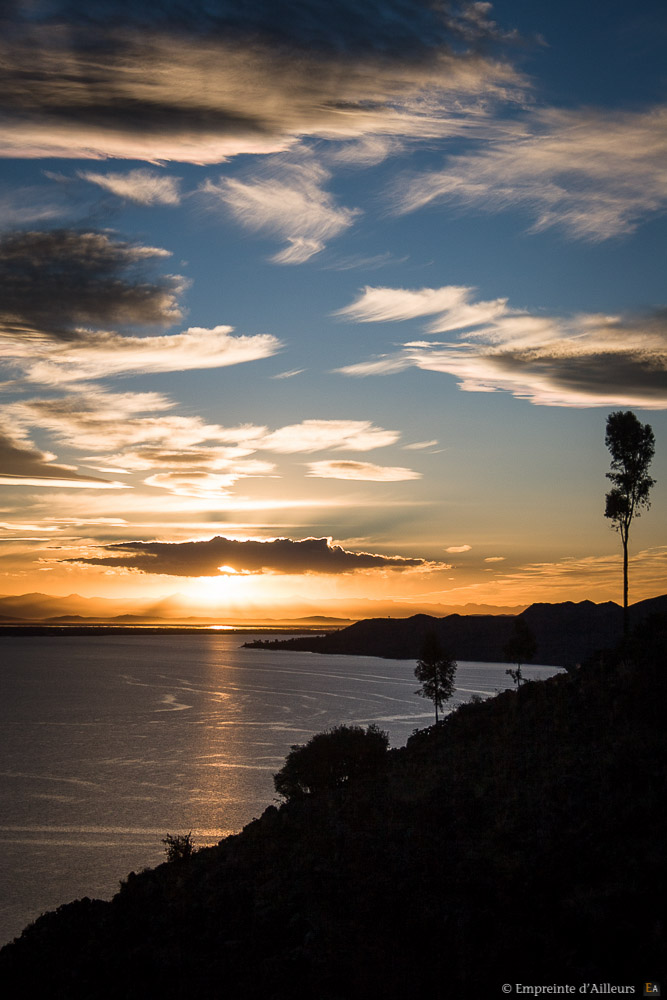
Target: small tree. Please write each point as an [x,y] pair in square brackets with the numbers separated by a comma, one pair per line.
[435,671]
[632,446]
[330,759]
[520,648]
[179,848]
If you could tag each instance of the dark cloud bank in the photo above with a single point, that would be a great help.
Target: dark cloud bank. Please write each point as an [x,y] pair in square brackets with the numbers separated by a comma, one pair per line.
[110,78]
[52,281]
[283,555]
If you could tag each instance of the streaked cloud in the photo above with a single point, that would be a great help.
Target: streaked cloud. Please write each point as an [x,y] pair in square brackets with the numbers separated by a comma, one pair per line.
[420,445]
[459,548]
[132,433]
[316,435]
[289,374]
[595,173]
[581,360]
[575,577]
[205,82]
[494,559]
[99,418]
[27,205]
[286,200]
[451,304]
[207,485]
[146,187]
[22,464]
[95,355]
[364,471]
[218,556]
[73,482]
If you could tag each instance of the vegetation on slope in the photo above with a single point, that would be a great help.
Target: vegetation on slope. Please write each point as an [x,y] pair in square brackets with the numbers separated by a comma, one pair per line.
[521,840]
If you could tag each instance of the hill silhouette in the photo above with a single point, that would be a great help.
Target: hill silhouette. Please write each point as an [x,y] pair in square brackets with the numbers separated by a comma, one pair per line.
[566,633]
[520,841]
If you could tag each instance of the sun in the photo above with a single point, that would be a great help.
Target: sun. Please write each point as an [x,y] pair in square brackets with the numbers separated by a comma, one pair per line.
[229,588]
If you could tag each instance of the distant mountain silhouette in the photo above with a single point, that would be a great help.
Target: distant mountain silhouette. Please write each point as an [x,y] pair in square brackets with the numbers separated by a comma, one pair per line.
[566,634]
[37,607]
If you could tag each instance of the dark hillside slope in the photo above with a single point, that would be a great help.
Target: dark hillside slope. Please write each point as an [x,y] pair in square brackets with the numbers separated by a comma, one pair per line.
[521,841]
[566,634]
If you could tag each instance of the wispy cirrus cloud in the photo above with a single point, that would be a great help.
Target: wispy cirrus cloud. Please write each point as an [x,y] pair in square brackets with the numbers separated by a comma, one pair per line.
[581,360]
[594,173]
[79,81]
[420,445]
[363,471]
[220,556]
[208,485]
[451,305]
[574,576]
[316,435]
[287,200]
[98,418]
[146,187]
[96,355]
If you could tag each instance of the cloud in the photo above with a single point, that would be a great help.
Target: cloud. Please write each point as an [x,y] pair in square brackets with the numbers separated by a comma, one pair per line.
[493,559]
[205,82]
[137,432]
[419,445]
[288,201]
[219,555]
[364,471]
[316,435]
[582,360]
[596,174]
[459,548]
[24,465]
[289,374]
[146,187]
[22,206]
[576,576]
[54,282]
[98,418]
[56,286]
[101,354]
[207,485]
[450,303]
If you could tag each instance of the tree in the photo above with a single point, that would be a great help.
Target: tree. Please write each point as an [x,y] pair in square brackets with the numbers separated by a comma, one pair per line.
[179,848]
[435,671]
[520,648]
[330,759]
[632,446]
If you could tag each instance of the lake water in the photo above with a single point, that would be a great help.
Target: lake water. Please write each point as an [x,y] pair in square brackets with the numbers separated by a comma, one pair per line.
[109,742]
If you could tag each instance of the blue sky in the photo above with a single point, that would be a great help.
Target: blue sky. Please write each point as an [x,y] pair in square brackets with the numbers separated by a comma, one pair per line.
[369,274]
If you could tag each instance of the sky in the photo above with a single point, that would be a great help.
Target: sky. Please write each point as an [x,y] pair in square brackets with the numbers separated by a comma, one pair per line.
[305,304]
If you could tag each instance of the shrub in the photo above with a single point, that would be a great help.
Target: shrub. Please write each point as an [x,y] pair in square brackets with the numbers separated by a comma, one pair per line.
[331,759]
[179,848]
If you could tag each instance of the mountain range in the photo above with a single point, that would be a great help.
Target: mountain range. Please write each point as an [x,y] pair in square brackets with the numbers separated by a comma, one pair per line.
[179,609]
[566,634]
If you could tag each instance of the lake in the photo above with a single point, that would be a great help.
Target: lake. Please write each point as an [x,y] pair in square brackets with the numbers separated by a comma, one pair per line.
[109,742]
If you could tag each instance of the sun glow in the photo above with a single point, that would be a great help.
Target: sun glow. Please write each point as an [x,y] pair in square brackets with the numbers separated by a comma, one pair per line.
[229,589]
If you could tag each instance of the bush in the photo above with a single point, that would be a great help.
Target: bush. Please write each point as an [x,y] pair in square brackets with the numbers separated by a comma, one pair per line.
[331,759]
[179,848]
